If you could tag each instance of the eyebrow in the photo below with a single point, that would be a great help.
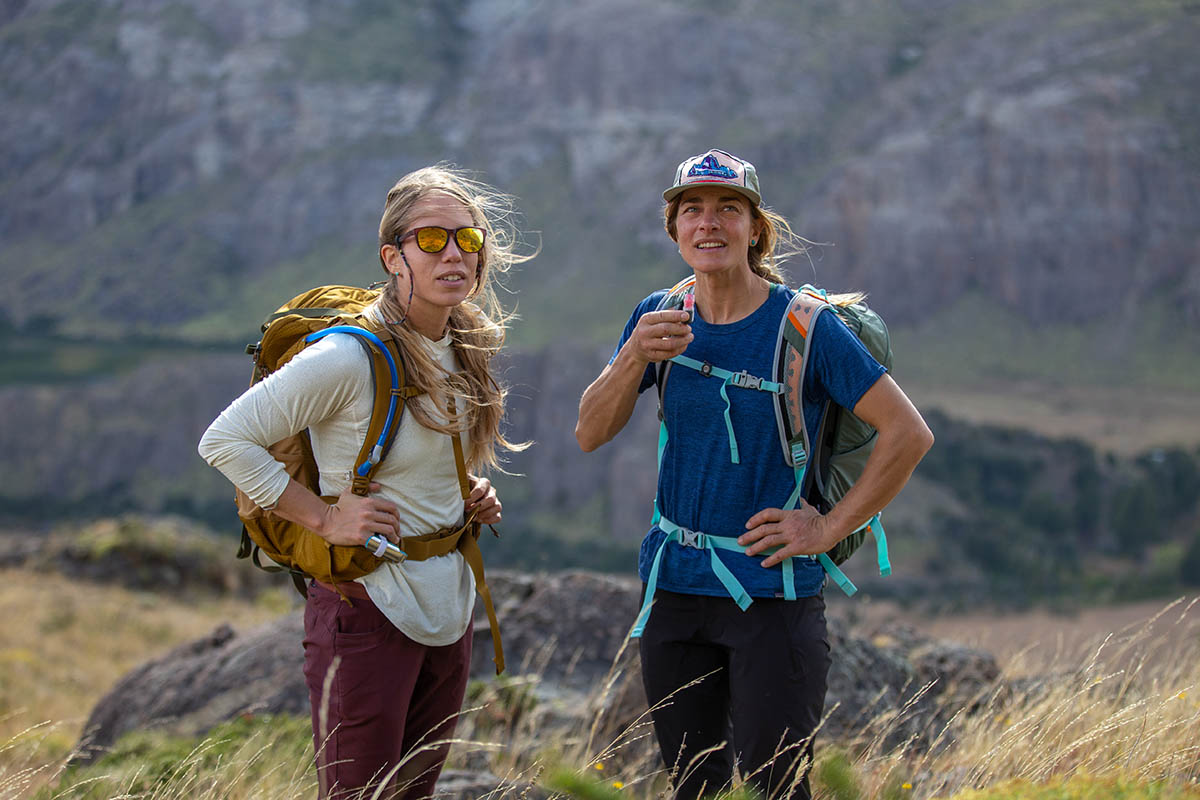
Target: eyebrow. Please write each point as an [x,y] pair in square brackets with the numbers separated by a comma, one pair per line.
[694,198]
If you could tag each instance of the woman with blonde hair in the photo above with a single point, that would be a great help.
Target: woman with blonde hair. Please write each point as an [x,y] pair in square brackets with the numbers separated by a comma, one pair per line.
[736,676]
[387,656]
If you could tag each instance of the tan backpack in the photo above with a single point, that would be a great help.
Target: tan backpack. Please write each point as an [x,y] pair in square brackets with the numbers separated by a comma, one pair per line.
[293,548]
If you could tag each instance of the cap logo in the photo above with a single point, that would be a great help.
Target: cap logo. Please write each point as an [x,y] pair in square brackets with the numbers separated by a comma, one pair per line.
[716,167]
[709,167]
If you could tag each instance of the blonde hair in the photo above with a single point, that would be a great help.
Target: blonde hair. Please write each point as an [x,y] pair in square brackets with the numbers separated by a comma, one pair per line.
[775,244]
[477,325]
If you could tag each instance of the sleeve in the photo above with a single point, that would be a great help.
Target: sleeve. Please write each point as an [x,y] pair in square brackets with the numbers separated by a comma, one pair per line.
[649,304]
[317,383]
[842,365]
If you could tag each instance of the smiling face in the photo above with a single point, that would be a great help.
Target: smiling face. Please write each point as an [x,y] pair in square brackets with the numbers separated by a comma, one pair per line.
[713,227]
[440,281]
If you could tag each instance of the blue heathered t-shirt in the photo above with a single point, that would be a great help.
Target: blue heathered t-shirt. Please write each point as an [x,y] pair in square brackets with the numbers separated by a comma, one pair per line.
[698,485]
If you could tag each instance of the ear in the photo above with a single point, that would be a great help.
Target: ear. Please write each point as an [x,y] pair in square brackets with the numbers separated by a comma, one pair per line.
[393,262]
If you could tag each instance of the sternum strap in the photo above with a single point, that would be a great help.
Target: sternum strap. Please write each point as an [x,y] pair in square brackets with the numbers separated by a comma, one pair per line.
[742,380]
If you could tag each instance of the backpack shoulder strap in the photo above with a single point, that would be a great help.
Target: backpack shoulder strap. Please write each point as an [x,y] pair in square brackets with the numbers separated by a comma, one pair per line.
[791,362]
[671,300]
[387,407]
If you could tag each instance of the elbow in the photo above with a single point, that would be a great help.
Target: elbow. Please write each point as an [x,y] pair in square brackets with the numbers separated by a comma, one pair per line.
[909,441]
[216,446]
[920,439]
[587,442]
[207,447]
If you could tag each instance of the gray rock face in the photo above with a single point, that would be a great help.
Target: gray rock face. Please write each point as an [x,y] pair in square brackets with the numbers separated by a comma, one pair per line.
[567,630]
[1023,152]
[204,682]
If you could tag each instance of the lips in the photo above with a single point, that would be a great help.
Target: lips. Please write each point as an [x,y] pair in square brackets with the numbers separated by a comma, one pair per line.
[452,277]
[709,245]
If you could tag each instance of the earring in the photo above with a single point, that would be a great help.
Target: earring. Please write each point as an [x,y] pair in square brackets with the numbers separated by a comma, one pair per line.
[753,242]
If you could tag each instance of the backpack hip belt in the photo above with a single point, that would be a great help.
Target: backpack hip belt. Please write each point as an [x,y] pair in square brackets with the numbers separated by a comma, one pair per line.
[687,537]
[464,539]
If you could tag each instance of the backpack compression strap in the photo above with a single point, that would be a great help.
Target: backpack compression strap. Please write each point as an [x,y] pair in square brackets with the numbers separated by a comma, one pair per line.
[469,547]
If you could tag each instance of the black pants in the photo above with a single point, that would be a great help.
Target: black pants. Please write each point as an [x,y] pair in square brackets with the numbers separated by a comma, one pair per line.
[757,690]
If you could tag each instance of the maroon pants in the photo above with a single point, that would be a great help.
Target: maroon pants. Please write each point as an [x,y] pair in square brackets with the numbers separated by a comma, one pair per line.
[377,696]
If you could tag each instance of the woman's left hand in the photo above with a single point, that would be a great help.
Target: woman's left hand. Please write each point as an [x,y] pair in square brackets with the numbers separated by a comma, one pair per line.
[801,531]
[483,500]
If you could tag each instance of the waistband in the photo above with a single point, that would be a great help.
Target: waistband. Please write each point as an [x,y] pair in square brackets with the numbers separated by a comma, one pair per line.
[352,589]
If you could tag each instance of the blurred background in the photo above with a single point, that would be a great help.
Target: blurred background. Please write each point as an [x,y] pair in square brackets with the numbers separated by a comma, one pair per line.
[1015,185]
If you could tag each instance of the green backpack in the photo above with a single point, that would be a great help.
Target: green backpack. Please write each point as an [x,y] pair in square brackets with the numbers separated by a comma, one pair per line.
[827,467]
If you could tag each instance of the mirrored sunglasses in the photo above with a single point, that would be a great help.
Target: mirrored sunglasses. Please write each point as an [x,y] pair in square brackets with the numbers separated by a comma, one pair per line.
[433,238]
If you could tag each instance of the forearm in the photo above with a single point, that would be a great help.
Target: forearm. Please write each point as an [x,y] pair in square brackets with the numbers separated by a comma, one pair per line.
[897,452]
[607,404]
[300,505]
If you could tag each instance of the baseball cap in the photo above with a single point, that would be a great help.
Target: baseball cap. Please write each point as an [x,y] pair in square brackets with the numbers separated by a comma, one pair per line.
[716,168]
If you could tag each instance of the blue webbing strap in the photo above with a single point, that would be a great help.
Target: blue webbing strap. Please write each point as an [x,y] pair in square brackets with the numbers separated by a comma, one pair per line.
[702,541]
[377,452]
[838,576]
[743,380]
[662,446]
[875,528]
[834,571]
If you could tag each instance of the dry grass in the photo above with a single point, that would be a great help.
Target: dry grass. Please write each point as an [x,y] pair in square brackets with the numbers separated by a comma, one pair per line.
[1128,707]
[1124,707]
[66,642]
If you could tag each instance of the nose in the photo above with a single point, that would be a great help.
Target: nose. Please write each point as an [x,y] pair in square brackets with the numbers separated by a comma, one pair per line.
[709,219]
[451,252]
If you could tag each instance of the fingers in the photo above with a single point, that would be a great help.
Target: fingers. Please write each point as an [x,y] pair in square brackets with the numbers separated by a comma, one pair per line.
[793,533]
[489,516]
[766,515]
[764,537]
[357,518]
[480,488]
[662,334]
[387,522]
[779,555]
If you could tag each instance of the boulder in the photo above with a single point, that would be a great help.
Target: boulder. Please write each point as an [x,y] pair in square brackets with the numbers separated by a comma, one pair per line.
[566,630]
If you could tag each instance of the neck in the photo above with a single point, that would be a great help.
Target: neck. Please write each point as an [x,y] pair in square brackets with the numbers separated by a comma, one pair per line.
[726,297]
[431,324]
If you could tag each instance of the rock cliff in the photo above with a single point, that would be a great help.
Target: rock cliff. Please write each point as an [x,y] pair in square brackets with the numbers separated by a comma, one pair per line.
[160,161]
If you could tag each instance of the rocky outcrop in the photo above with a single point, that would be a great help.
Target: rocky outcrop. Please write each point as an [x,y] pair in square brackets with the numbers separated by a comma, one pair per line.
[568,631]
[1021,152]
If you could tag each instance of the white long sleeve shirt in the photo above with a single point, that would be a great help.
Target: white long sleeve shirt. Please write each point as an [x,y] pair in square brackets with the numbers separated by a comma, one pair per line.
[327,388]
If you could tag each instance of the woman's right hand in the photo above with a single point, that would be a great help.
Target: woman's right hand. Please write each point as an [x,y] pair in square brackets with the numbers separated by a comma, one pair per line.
[353,519]
[660,335]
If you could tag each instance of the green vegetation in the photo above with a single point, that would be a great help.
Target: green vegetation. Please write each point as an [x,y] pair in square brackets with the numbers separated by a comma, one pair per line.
[1082,787]
[1050,520]
[32,357]
[975,341]
[149,764]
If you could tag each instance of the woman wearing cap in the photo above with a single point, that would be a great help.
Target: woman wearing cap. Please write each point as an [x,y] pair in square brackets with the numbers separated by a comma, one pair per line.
[753,679]
[387,657]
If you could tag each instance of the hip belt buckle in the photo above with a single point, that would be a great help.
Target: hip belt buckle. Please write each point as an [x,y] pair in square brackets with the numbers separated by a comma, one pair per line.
[690,538]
